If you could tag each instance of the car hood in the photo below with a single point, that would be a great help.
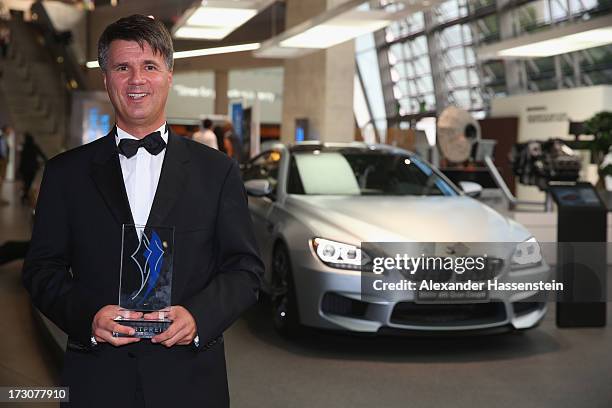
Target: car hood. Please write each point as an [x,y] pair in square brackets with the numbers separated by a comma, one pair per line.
[354,219]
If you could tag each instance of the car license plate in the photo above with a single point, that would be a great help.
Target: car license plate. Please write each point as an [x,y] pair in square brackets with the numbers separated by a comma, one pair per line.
[452,296]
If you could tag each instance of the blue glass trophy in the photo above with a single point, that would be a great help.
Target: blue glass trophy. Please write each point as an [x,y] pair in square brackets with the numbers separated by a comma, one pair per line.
[145,283]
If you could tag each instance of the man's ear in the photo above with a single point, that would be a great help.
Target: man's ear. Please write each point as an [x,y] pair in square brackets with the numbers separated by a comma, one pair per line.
[104,79]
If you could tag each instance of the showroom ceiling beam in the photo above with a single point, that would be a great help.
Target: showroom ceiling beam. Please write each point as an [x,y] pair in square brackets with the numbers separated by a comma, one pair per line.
[553,41]
[335,26]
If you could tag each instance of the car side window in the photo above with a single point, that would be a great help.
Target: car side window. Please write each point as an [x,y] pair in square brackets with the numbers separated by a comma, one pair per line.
[264,167]
[294,181]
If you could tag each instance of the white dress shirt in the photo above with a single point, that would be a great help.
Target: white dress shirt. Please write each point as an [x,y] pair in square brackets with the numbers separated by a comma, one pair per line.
[141,175]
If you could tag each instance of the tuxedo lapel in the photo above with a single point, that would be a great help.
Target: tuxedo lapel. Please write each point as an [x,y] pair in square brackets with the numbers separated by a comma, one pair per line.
[106,173]
[172,180]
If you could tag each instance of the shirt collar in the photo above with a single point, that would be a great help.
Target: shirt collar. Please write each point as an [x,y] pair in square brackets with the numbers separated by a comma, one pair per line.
[122,134]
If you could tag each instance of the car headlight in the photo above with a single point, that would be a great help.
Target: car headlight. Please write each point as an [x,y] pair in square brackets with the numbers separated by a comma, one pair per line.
[526,254]
[339,255]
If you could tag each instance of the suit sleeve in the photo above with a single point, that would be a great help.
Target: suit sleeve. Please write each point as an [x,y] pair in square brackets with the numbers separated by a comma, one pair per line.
[235,286]
[46,271]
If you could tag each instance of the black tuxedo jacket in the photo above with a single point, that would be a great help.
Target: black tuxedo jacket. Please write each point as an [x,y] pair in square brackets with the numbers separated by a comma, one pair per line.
[72,270]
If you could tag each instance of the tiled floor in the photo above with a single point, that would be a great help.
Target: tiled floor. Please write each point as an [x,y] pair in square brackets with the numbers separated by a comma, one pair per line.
[541,368]
[25,359]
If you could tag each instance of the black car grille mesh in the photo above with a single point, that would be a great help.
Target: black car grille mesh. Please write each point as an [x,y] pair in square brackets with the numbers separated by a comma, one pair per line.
[410,313]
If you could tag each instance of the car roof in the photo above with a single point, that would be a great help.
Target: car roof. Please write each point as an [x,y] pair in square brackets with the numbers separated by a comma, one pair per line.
[309,146]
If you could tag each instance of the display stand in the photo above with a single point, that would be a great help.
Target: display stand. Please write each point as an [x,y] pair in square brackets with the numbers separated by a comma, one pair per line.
[581,255]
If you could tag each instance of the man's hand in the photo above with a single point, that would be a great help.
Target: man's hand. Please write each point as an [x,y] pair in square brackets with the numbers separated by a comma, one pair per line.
[182,331]
[104,325]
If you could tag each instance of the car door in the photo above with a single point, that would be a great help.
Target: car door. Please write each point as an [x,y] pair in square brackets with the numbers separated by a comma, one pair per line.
[263,167]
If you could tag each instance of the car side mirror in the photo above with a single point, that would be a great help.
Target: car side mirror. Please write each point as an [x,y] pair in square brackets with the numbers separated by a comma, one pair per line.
[470,188]
[258,188]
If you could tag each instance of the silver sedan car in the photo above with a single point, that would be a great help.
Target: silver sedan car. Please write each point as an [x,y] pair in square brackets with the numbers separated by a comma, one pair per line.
[314,204]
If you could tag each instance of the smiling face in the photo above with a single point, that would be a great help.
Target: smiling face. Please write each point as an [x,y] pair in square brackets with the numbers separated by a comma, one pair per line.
[137,82]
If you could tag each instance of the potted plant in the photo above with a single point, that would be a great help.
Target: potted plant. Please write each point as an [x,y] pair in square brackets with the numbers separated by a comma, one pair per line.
[605,170]
[600,125]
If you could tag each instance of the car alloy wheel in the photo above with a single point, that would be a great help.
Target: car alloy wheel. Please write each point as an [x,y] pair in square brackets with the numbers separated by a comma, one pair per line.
[284,304]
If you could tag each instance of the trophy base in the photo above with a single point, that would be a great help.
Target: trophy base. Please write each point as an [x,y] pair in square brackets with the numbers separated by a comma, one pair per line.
[145,329]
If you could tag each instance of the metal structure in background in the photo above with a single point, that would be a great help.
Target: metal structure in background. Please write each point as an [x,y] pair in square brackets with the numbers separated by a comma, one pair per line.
[33,86]
[429,60]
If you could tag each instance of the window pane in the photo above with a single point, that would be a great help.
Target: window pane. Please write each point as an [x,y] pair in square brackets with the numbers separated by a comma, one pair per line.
[362,115]
[364,42]
[367,62]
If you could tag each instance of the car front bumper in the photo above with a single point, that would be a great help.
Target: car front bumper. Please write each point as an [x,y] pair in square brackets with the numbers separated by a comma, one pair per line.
[330,298]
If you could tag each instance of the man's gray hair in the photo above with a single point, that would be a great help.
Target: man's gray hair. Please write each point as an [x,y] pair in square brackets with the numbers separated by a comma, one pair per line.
[141,29]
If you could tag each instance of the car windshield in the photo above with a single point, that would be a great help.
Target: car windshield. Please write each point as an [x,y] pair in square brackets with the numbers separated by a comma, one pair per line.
[363,172]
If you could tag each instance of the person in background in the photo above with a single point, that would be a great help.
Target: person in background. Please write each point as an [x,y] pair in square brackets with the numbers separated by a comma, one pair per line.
[206,135]
[4,156]
[5,38]
[31,157]
[218,131]
[232,144]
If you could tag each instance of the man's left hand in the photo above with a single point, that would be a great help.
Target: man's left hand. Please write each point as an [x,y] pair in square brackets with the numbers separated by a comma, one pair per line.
[182,331]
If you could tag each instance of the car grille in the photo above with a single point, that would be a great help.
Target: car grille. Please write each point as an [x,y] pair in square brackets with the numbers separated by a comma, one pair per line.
[440,315]
[523,308]
[340,305]
[530,304]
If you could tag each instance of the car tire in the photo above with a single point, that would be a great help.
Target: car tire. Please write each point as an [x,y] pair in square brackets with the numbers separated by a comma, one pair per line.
[284,303]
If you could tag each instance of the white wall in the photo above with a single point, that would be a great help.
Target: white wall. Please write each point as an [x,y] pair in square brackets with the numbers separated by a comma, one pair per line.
[546,115]
[193,93]
[267,83]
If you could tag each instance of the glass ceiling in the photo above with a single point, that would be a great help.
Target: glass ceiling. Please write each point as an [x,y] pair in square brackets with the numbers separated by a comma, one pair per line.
[417,66]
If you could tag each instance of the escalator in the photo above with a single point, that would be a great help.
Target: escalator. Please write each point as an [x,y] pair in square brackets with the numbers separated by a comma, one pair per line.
[37,78]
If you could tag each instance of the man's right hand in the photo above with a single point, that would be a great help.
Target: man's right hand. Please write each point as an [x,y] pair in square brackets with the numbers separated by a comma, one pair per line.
[104,325]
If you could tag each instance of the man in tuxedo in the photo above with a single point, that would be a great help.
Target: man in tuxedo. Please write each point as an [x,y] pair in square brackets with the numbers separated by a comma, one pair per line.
[142,173]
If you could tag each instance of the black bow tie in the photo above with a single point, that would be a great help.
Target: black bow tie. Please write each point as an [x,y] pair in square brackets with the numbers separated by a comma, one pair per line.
[153,142]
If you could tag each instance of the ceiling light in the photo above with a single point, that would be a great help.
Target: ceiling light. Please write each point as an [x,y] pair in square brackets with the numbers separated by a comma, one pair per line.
[333,33]
[201,52]
[205,15]
[216,19]
[216,50]
[211,33]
